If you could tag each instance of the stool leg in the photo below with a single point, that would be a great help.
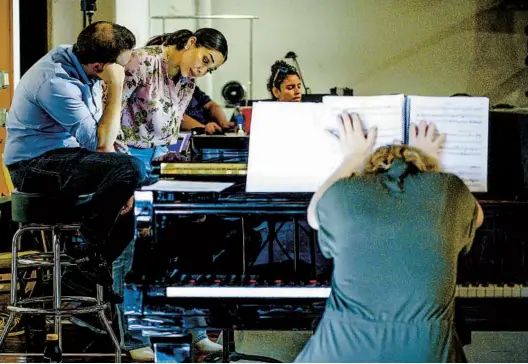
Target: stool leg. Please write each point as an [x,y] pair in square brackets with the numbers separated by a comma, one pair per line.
[7,328]
[57,283]
[107,325]
[14,283]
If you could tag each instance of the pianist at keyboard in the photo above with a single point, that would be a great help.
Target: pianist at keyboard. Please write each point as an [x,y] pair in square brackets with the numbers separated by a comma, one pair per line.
[394,231]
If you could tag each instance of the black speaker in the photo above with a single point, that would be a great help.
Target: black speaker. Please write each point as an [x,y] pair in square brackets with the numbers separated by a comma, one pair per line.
[507,156]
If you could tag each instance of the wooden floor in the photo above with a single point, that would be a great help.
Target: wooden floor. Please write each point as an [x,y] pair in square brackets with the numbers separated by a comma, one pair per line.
[79,345]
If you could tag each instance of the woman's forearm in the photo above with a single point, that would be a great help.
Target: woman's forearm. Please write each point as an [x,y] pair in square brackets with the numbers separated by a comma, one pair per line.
[189,123]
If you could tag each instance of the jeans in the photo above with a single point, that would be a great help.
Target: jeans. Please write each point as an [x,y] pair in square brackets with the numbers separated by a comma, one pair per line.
[111,177]
[123,265]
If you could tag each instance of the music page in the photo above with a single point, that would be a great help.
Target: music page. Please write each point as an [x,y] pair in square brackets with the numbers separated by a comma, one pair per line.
[386,112]
[464,120]
[289,151]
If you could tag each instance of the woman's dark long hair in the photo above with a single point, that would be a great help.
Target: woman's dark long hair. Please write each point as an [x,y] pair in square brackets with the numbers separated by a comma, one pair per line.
[205,37]
[280,70]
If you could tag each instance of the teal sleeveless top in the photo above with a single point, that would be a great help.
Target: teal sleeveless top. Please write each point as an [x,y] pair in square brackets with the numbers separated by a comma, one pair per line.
[394,238]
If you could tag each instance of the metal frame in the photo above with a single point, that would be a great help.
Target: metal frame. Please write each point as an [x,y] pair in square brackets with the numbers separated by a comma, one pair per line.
[251,18]
[55,260]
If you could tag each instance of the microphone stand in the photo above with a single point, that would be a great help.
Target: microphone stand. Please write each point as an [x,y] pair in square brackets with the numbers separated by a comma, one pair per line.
[293,56]
[88,7]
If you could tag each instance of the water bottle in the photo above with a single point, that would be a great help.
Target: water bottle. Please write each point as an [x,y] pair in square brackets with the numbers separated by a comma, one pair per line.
[52,352]
[239,120]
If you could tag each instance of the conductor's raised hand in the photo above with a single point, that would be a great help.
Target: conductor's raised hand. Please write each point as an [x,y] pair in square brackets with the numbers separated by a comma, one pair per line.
[354,142]
[425,137]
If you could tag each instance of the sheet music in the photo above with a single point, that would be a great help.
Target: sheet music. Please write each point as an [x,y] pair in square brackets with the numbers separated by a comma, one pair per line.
[386,112]
[464,120]
[289,151]
[187,186]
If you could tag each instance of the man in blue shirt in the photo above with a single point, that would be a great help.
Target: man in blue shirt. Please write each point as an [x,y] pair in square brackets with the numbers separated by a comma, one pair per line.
[60,138]
[203,112]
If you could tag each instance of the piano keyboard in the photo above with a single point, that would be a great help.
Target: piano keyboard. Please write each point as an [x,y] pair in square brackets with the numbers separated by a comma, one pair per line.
[203,169]
[322,292]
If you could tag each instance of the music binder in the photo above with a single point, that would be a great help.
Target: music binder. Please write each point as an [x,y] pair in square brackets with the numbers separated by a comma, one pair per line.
[293,147]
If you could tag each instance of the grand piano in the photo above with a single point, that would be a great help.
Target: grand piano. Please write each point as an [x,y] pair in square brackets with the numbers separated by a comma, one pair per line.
[233,292]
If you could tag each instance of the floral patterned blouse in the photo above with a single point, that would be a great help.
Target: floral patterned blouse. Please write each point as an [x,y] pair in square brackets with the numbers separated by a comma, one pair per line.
[153,104]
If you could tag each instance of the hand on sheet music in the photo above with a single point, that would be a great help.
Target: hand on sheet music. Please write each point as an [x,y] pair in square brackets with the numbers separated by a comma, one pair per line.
[426,138]
[352,137]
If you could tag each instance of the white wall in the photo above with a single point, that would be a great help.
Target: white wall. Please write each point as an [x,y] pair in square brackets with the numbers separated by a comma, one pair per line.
[16,42]
[134,14]
[67,19]
[428,47]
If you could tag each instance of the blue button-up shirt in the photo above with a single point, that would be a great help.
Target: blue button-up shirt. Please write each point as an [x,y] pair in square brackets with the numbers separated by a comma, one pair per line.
[55,106]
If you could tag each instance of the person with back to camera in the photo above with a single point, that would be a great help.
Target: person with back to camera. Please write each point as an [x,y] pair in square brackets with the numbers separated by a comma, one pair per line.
[394,225]
[284,83]
[159,84]
[60,139]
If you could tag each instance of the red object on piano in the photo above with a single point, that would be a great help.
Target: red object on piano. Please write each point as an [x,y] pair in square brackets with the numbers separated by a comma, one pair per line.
[246,112]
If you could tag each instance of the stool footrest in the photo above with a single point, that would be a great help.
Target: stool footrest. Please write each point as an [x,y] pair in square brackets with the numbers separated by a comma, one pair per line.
[44,260]
[20,306]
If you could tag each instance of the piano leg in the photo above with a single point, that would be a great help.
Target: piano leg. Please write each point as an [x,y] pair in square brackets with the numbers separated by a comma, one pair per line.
[296,243]
[244,250]
[313,239]
[272,235]
[228,344]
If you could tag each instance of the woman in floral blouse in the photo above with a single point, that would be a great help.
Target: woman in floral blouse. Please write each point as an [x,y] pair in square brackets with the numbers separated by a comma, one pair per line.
[159,84]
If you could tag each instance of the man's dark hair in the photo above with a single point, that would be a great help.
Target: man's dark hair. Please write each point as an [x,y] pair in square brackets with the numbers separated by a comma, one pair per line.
[103,42]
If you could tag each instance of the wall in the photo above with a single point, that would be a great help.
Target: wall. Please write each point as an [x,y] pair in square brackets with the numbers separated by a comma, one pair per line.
[66,19]
[134,15]
[424,47]
[428,47]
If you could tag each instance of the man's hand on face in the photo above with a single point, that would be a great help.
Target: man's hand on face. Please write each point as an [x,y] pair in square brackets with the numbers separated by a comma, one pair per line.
[113,74]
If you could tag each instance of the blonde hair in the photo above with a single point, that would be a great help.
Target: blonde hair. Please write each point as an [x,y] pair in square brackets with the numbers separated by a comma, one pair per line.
[382,158]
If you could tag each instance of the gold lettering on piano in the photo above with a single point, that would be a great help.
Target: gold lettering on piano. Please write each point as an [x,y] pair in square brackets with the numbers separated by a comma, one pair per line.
[207,169]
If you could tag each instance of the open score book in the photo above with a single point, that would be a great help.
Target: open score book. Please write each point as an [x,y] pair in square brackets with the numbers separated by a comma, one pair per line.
[294,146]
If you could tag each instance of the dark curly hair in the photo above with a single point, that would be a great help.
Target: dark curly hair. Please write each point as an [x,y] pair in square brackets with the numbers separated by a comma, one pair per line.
[205,37]
[280,70]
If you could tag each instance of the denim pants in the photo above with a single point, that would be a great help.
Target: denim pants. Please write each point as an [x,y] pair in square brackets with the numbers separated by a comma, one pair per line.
[111,177]
[123,265]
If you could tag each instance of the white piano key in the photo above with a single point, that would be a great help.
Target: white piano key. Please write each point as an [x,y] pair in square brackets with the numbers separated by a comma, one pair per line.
[516,291]
[463,292]
[498,291]
[249,292]
[490,291]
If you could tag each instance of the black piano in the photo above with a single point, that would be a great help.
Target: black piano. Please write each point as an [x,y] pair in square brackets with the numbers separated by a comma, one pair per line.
[232,290]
